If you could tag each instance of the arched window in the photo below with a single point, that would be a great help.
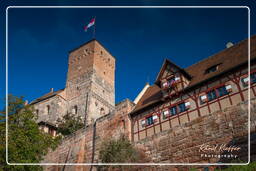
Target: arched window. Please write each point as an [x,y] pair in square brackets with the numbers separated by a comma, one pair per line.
[48,109]
[102,111]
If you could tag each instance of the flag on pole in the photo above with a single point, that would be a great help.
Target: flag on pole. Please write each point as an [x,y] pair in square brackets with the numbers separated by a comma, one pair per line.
[92,22]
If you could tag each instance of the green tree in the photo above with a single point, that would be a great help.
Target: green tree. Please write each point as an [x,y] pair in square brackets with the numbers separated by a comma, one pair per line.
[69,124]
[26,143]
[120,151]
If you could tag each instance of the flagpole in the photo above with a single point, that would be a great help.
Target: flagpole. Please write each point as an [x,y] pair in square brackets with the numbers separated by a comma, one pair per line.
[94,30]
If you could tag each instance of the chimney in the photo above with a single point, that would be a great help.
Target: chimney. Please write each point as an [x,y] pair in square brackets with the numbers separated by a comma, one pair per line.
[229,44]
[51,90]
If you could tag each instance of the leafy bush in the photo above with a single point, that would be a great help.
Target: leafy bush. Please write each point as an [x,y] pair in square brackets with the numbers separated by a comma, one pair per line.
[26,143]
[69,124]
[120,151]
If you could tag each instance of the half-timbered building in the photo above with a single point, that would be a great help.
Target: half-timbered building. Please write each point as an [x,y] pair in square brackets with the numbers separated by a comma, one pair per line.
[180,95]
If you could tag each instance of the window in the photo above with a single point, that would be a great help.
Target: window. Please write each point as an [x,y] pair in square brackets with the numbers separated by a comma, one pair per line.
[166,113]
[171,81]
[48,109]
[173,110]
[102,111]
[37,112]
[253,77]
[211,95]
[150,120]
[76,109]
[222,91]
[212,69]
[245,81]
[215,93]
[168,83]
[123,124]
[182,107]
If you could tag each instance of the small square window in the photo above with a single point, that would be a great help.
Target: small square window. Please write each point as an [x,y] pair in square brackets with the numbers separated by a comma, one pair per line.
[150,120]
[222,91]
[245,81]
[182,107]
[173,110]
[253,77]
[211,95]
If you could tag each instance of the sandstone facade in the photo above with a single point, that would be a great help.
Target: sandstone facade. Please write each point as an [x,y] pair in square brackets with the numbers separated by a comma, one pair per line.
[178,145]
[89,91]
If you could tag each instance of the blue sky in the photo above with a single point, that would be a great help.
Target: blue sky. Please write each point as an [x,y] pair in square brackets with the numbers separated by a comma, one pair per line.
[140,39]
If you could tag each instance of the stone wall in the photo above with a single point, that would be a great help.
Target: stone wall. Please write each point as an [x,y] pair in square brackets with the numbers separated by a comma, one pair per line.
[77,148]
[180,144]
[57,109]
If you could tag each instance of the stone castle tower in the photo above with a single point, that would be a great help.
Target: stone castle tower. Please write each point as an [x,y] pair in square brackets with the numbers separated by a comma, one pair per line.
[90,86]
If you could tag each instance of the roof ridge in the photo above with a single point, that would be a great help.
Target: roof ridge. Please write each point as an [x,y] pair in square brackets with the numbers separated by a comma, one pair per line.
[223,50]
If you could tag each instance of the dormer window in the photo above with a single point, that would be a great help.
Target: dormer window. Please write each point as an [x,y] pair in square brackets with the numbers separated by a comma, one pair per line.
[212,69]
[169,82]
